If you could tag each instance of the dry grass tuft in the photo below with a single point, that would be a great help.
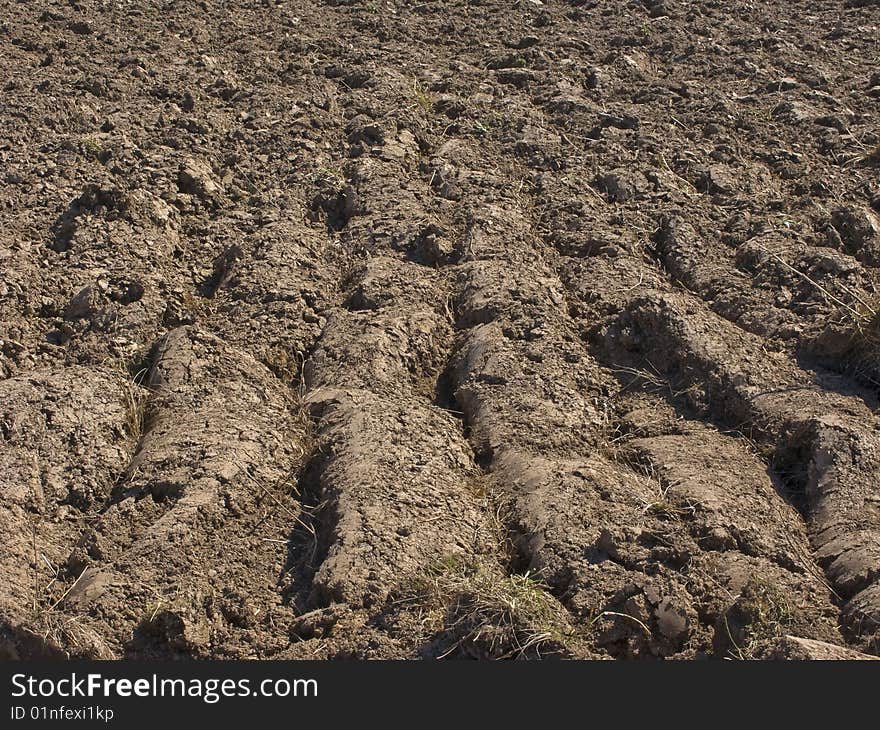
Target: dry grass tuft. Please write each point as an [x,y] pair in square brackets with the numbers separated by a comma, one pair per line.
[135,411]
[867,342]
[477,610]
[759,615]
[286,365]
[861,316]
[861,324]
[423,98]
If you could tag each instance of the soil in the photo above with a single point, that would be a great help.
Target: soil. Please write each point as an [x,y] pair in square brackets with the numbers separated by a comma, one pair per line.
[333,328]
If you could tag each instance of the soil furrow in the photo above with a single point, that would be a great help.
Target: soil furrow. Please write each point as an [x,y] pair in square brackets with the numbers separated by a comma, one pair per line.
[58,466]
[823,430]
[214,476]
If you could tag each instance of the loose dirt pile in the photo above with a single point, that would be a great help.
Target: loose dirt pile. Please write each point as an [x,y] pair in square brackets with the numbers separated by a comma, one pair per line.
[387,329]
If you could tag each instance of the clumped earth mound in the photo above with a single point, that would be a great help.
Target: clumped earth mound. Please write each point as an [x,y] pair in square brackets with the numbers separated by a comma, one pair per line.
[494,330]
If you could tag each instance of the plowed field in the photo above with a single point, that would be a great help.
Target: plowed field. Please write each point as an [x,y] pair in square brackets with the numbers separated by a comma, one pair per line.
[482,329]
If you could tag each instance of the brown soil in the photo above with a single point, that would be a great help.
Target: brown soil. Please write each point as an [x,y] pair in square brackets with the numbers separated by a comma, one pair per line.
[333,328]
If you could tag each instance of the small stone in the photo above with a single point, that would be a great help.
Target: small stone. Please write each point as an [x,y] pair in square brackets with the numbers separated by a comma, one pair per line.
[196,178]
[84,304]
[783,84]
[800,649]
[652,593]
[671,620]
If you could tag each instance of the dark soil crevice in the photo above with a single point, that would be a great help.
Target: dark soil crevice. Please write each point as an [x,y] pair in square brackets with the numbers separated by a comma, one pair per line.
[310,538]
